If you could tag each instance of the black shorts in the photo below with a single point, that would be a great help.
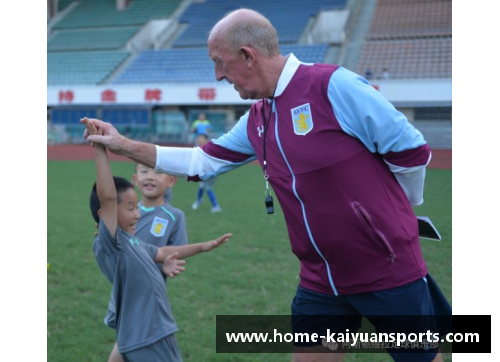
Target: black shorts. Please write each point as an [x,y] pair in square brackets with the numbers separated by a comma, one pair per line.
[388,311]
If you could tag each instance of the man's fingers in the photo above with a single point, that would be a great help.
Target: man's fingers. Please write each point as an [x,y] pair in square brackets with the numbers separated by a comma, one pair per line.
[97,122]
[101,126]
[95,138]
[98,139]
[91,129]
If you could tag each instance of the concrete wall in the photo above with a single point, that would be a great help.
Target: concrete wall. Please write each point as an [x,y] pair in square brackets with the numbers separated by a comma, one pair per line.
[150,35]
[329,27]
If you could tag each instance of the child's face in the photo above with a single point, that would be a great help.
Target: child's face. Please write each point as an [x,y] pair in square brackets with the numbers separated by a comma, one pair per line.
[128,212]
[152,184]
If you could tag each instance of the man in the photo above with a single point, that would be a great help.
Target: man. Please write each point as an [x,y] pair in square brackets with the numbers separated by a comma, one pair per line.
[345,165]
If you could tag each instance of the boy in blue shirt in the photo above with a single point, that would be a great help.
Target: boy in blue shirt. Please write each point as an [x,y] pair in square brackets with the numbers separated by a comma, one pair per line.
[143,317]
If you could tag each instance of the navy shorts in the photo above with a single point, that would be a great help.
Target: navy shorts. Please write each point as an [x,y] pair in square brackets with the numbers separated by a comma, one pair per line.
[384,309]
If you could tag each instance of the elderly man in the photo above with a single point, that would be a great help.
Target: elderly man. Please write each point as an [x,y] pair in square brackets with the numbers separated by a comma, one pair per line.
[345,165]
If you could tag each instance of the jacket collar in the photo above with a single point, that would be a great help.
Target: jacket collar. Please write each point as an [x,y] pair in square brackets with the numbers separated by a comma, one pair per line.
[291,66]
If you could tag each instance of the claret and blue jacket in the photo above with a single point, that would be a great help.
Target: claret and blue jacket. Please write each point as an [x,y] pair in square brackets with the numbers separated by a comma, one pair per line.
[346,167]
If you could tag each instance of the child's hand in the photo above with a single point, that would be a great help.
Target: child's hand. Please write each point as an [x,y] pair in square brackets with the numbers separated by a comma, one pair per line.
[172,266]
[212,244]
[91,128]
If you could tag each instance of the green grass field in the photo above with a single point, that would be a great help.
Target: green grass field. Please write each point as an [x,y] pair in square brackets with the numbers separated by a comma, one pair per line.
[255,273]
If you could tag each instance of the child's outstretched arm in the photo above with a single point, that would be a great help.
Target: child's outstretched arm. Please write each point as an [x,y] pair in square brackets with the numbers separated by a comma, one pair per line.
[185,251]
[106,191]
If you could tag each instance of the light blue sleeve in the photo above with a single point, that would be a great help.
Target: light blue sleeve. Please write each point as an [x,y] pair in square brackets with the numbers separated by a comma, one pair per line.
[364,113]
[237,139]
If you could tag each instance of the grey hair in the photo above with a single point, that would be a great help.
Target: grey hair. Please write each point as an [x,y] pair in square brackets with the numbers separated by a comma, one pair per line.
[256,31]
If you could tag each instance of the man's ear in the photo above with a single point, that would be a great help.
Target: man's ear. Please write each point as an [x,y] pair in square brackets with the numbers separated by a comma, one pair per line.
[249,54]
[99,212]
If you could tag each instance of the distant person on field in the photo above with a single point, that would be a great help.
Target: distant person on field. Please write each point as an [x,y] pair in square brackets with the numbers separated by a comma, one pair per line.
[201,128]
[207,186]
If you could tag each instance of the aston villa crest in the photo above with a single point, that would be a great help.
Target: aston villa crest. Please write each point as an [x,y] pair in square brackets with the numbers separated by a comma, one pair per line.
[302,119]
[159,226]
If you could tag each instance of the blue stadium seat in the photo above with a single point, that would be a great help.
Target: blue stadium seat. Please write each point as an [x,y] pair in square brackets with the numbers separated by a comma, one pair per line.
[289,20]
[192,65]
[72,68]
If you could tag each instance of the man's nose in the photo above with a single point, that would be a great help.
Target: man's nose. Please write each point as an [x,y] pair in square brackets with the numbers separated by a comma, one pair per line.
[219,75]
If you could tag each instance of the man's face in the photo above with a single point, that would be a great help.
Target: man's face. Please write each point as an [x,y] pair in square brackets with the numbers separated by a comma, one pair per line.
[233,67]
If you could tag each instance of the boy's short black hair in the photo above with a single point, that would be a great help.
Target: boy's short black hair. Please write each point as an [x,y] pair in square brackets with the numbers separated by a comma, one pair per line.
[121,185]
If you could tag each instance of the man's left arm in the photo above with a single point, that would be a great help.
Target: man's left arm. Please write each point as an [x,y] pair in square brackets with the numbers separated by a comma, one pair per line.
[364,113]
[217,156]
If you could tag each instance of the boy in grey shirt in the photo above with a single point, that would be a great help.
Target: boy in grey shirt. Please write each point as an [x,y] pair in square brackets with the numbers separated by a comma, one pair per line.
[159,224]
[143,319]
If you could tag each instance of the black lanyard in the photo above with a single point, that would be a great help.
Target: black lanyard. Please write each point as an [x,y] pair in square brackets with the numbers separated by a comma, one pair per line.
[268,198]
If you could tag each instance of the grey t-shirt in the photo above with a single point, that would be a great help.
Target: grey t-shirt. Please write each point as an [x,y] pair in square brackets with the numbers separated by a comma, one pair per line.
[142,310]
[159,226]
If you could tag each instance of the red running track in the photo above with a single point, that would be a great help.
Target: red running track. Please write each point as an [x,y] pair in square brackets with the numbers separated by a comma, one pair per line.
[441,159]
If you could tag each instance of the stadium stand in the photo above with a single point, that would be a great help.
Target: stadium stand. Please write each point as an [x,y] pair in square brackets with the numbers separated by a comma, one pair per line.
[170,127]
[411,18]
[289,20]
[409,38]
[87,45]
[91,39]
[192,65]
[408,58]
[130,121]
[91,43]
[71,68]
[103,13]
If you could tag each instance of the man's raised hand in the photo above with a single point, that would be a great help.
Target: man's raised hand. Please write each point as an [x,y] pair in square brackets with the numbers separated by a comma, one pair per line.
[104,133]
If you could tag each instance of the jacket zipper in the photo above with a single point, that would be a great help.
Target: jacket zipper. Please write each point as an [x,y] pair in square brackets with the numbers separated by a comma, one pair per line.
[330,279]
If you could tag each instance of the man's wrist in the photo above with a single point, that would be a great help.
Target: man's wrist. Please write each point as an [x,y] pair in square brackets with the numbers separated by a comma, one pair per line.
[144,153]
[126,146]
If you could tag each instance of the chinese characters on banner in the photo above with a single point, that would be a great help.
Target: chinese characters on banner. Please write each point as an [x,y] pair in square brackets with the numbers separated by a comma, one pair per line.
[206,94]
[66,96]
[152,95]
[108,95]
